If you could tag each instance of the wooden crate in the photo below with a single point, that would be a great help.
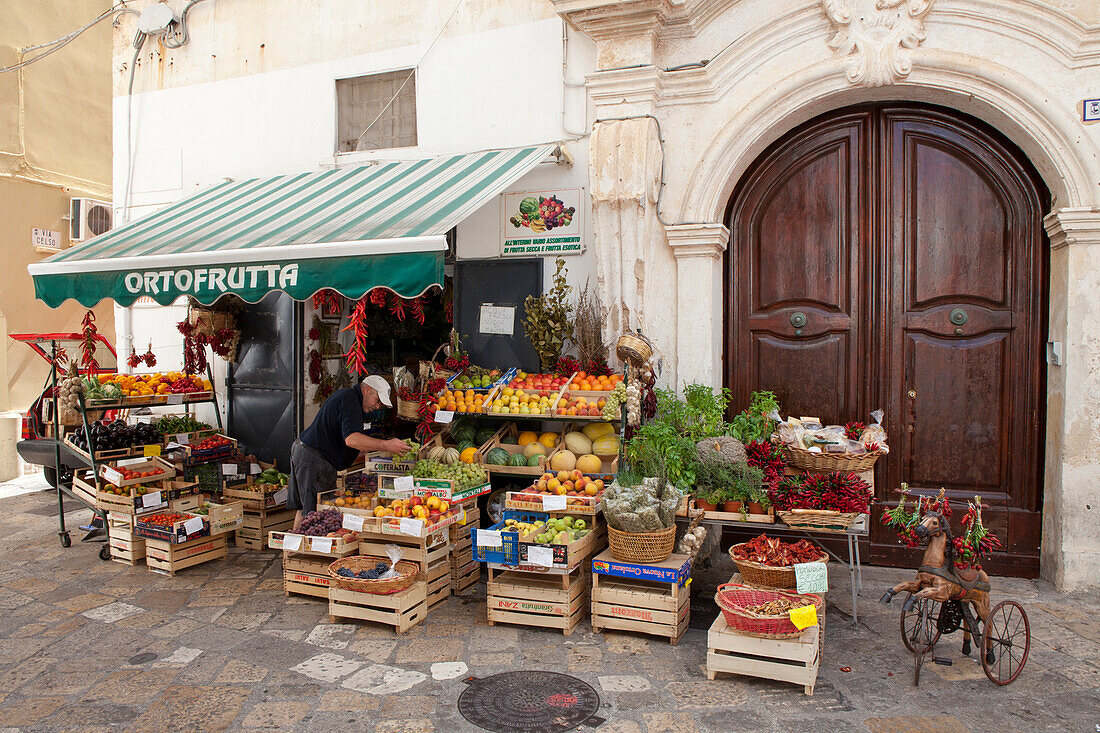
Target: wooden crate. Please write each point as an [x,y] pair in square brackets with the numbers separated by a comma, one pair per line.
[306,575]
[544,601]
[170,558]
[464,578]
[438,576]
[126,547]
[337,546]
[257,497]
[425,551]
[469,520]
[111,474]
[648,607]
[401,610]
[785,660]
[258,524]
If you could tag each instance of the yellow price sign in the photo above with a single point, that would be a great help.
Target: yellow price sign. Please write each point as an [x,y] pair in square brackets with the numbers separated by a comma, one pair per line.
[152,450]
[804,617]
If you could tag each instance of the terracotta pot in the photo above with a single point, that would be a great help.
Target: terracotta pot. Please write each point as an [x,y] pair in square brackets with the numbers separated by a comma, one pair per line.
[755,507]
[731,507]
[705,505]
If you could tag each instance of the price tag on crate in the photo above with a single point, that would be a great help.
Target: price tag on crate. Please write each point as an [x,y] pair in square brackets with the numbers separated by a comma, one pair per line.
[403,483]
[151,450]
[320,544]
[175,399]
[811,577]
[541,556]
[112,475]
[354,522]
[489,538]
[803,618]
[172,445]
[151,499]
[181,438]
[255,469]
[192,525]
[414,527]
[444,416]
[229,469]
[280,496]
[553,503]
[292,542]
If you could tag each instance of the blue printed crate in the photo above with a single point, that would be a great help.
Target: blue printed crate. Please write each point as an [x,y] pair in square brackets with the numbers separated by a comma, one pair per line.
[508,552]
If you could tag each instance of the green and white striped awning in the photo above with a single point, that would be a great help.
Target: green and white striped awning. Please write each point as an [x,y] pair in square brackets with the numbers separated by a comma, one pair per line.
[350,229]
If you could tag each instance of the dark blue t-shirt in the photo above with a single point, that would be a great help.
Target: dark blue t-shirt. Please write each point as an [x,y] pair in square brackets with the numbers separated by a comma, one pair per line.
[340,416]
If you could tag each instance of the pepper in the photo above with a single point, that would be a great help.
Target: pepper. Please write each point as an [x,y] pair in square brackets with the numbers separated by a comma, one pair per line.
[357,353]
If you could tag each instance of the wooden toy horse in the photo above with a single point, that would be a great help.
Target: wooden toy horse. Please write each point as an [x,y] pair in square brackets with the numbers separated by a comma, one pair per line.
[939,580]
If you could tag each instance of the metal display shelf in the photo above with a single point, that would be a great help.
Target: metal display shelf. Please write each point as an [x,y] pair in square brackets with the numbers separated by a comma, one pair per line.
[122,404]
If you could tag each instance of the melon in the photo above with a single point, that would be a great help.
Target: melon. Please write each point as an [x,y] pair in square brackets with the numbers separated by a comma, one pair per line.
[498,457]
[485,435]
[518,459]
[533,461]
[508,439]
[606,445]
[534,449]
[598,429]
[579,443]
[464,445]
[590,464]
[527,437]
[550,440]
[563,460]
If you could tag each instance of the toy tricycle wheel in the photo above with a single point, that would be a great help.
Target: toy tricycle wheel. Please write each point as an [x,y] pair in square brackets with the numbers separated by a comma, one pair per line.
[924,638]
[1009,642]
[105,552]
[66,540]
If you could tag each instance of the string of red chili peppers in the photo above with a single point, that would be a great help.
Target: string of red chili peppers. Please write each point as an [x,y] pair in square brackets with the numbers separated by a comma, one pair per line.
[328,301]
[135,359]
[357,353]
[88,344]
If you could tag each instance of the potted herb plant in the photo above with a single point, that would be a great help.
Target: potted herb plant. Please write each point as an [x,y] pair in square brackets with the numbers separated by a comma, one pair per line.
[758,502]
[733,500]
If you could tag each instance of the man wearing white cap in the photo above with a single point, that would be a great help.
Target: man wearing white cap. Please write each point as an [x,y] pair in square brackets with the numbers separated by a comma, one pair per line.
[334,441]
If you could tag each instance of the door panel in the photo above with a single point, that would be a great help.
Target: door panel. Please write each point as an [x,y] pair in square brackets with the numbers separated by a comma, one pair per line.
[892,256]
[796,308]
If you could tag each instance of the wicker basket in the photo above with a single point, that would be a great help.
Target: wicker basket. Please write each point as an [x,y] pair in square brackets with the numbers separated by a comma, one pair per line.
[769,576]
[634,347]
[406,574]
[643,547]
[733,598]
[817,518]
[848,462]
[408,410]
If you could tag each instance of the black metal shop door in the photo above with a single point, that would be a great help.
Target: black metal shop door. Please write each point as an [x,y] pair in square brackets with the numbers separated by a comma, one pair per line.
[265,382]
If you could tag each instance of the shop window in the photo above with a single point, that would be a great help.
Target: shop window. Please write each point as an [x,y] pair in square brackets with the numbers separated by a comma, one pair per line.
[362,99]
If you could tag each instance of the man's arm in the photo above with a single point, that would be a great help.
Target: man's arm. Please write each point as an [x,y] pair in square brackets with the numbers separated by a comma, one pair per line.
[366,444]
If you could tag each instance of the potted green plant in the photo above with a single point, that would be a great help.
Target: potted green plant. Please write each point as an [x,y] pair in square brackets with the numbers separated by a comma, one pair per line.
[733,499]
[758,502]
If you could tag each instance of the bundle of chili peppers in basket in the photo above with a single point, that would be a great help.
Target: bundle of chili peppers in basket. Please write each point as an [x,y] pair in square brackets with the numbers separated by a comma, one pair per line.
[970,547]
[769,458]
[775,552]
[837,491]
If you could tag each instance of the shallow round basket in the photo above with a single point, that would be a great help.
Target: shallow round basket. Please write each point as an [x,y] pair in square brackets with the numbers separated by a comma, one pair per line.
[848,462]
[633,347]
[733,599]
[771,576]
[817,518]
[406,574]
[645,547]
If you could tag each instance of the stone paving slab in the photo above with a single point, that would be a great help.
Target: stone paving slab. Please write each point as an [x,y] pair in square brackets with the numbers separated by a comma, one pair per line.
[93,646]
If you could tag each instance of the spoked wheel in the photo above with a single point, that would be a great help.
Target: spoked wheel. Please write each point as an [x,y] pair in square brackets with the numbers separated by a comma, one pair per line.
[918,635]
[914,634]
[1009,642]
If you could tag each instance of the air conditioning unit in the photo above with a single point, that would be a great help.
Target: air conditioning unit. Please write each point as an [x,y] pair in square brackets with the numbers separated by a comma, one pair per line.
[89,218]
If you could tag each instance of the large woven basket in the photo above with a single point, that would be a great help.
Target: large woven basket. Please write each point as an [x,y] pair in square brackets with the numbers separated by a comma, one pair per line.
[817,518]
[408,409]
[769,576]
[733,600]
[634,348]
[406,574]
[798,457]
[646,547]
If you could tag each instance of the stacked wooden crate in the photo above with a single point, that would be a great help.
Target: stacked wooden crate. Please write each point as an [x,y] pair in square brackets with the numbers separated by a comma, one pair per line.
[648,598]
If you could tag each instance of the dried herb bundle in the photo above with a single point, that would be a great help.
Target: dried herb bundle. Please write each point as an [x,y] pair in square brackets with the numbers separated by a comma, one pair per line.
[547,324]
[588,328]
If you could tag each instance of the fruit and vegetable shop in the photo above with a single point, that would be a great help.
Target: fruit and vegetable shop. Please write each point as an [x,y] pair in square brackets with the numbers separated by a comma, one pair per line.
[546,471]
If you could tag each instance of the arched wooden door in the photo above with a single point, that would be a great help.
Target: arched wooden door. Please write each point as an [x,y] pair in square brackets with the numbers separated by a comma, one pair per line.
[892,256]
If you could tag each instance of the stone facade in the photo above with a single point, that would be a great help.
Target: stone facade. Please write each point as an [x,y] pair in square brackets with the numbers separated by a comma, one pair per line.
[714,82]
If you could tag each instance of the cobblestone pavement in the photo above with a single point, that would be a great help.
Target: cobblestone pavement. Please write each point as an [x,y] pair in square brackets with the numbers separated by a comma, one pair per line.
[233,653]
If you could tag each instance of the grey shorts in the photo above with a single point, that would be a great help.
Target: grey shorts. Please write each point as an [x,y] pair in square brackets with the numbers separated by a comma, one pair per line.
[310,473]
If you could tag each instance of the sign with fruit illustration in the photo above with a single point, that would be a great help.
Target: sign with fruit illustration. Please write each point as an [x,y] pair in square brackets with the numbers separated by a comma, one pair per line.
[543,223]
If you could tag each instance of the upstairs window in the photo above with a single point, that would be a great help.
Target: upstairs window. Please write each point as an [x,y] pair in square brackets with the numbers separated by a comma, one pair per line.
[362,99]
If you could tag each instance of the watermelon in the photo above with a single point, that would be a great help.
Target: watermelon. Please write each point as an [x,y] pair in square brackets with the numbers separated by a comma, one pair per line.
[485,435]
[463,445]
[533,461]
[497,457]
[508,439]
[518,459]
[464,433]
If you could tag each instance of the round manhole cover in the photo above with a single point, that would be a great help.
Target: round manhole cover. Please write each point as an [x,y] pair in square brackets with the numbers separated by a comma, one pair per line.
[143,658]
[528,702]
